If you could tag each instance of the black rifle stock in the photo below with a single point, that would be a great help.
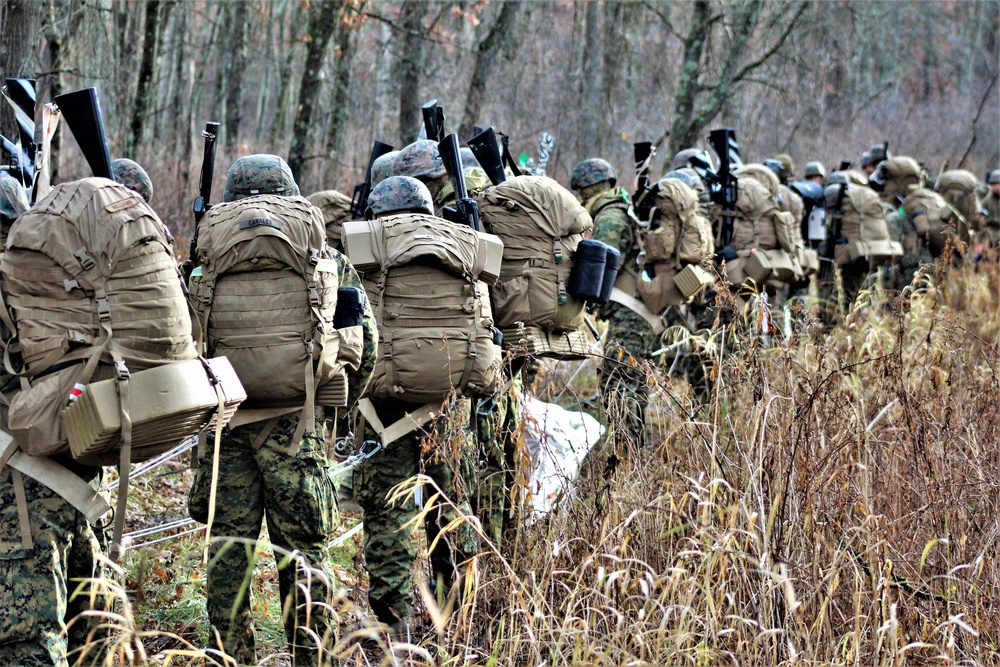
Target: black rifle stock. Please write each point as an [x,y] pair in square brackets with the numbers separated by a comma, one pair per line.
[359,200]
[201,202]
[82,113]
[643,152]
[466,211]
[15,166]
[833,233]
[433,120]
[484,146]
[845,165]
[723,142]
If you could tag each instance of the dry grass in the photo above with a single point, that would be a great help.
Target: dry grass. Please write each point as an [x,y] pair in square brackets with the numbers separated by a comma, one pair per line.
[835,504]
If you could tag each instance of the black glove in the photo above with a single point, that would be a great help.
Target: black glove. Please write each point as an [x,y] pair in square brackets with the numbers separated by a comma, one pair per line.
[727,254]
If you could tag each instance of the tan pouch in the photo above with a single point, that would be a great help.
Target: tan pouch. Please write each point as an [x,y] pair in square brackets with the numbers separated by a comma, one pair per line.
[661,291]
[757,267]
[783,267]
[35,415]
[661,242]
[692,279]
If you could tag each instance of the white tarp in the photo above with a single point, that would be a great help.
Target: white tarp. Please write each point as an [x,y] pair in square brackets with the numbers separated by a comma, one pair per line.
[558,440]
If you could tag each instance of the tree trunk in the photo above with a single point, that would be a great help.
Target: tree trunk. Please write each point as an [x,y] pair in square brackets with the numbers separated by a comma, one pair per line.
[322,20]
[341,90]
[278,128]
[411,63]
[142,93]
[19,25]
[681,133]
[236,64]
[590,85]
[499,41]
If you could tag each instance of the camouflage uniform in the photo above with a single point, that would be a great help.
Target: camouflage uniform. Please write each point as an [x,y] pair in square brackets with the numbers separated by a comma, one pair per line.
[258,478]
[630,340]
[445,454]
[38,585]
[915,251]
[990,233]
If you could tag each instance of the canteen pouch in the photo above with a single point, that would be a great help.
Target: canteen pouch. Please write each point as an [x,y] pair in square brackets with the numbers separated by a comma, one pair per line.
[350,306]
[610,275]
[587,275]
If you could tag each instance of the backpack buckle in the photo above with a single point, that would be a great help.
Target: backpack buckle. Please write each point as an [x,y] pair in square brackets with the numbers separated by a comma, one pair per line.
[313,256]
[314,297]
[121,369]
[103,310]
[86,261]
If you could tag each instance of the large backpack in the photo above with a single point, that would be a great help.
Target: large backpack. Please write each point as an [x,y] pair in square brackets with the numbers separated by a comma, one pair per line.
[863,225]
[675,249]
[265,296]
[540,223]
[937,222]
[762,237]
[958,188]
[95,301]
[336,209]
[424,277]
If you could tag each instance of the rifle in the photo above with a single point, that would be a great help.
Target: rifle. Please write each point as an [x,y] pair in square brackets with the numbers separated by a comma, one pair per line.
[644,151]
[359,201]
[484,146]
[201,202]
[723,142]
[546,144]
[82,112]
[845,165]
[833,232]
[433,120]
[465,211]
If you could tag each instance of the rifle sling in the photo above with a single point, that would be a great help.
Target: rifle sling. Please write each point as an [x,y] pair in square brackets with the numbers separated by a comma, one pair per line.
[639,308]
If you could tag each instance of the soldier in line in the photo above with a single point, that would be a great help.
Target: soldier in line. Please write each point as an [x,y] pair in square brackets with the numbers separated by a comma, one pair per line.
[390,551]
[630,340]
[258,478]
[48,548]
[815,172]
[991,204]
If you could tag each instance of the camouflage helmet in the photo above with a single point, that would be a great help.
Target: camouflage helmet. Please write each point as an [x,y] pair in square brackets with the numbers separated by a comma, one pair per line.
[688,176]
[468,158]
[382,167]
[260,174]
[420,160]
[132,176]
[815,169]
[13,198]
[993,177]
[787,166]
[591,172]
[837,178]
[399,194]
[874,155]
[683,158]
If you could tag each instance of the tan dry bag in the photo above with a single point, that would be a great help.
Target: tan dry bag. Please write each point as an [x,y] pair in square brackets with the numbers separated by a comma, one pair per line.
[336,209]
[863,225]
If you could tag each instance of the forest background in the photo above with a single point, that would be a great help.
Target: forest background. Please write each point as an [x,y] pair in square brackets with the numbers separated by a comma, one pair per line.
[318,80]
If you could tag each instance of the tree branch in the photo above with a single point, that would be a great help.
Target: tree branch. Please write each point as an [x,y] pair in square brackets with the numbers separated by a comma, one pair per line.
[749,67]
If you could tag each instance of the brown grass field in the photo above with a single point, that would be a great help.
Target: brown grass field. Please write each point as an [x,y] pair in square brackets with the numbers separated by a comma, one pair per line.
[836,503]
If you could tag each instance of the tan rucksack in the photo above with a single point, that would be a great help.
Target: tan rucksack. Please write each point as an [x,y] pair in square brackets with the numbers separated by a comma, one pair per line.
[676,249]
[762,237]
[958,188]
[424,277]
[336,209]
[95,301]
[937,222]
[540,223]
[863,225]
[265,295]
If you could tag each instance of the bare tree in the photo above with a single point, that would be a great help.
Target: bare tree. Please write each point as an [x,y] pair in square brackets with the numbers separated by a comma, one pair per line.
[236,63]
[150,46]
[410,67]
[19,24]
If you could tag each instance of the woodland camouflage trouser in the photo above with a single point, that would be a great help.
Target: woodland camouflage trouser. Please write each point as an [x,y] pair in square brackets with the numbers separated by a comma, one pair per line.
[447,457]
[629,345]
[296,495]
[37,585]
[497,433]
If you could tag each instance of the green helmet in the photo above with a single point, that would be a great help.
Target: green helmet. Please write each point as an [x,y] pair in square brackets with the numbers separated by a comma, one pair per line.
[993,177]
[837,178]
[13,198]
[787,166]
[874,155]
[382,167]
[260,174]
[682,159]
[420,160]
[688,176]
[591,172]
[132,176]
[815,169]
[398,194]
